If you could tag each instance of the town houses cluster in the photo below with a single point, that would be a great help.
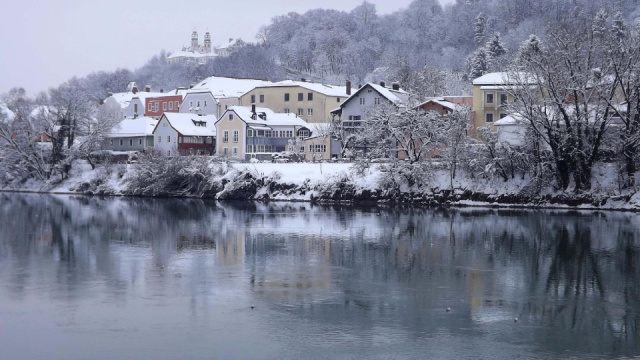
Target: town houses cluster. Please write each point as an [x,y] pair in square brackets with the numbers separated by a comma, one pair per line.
[247,119]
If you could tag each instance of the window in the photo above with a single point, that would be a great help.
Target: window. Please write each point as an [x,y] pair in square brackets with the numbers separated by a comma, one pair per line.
[489,98]
[159,139]
[376,101]
[130,142]
[198,103]
[253,99]
[338,99]
[230,117]
[171,105]
[310,112]
[261,98]
[205,103]
[164,106]
[260,133]
[190,103]
[225,136]
[225,151]
[489,117]
[362,101]
[121,142]
[235,151]
[286,97]
[286,110]
[289,133]
[169,138]
[310,96]
[504,99]
[250,148]
[177,105]
[250,133]
[235,136]
[300,112]
[268,133]
[300,96]
[111,142]
[503,115]
[139,141]
[303,133]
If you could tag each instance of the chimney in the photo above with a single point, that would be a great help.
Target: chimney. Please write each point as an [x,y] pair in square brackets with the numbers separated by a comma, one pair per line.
[162,91]
[253,109]
[110,93]
[395,86]
[134,89]
[348,87]
[359,86]
[230,39]
[147,88]
[383,84]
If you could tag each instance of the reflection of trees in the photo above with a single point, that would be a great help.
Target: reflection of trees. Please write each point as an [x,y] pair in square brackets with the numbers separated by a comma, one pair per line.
[565,271]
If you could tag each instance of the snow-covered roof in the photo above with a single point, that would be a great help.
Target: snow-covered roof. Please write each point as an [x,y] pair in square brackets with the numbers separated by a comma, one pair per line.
[328,90]
[228,44]
[227,87]
[189,54]
[442,102]
[502,78]
[185,124]
[398,97]
[142,126]
[272,118]
[143,95]
[514,119]
[123,99]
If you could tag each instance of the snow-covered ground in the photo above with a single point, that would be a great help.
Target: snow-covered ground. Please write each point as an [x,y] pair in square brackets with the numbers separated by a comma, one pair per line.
[325,181]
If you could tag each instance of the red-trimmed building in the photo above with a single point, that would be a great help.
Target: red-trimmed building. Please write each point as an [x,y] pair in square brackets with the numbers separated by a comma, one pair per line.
[185,134]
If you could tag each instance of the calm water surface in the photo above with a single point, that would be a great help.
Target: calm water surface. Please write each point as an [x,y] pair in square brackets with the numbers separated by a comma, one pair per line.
[90,278]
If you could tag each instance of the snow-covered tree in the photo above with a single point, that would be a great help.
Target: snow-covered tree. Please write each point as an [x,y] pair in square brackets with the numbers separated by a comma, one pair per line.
[478,63]
[479,27]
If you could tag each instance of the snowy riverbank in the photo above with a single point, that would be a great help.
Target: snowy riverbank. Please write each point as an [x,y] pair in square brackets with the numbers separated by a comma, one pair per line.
[326,183]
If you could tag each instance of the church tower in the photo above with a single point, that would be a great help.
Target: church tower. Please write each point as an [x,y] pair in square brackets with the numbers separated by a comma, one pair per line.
[207,43]
[194,41]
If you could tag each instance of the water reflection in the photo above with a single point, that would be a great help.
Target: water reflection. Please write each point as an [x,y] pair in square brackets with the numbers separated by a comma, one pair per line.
[176,278]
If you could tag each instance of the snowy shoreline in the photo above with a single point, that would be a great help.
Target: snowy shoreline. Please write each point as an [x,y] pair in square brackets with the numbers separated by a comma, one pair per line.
[335,183]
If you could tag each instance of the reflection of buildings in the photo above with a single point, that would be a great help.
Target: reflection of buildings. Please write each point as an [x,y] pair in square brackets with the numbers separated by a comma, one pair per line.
[230,250]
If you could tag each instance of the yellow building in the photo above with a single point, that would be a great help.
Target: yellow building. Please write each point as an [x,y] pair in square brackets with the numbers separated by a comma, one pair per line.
[490,98]
[257,133]
[311,102]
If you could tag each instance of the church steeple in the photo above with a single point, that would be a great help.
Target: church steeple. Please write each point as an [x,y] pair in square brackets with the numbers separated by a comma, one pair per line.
[207,43]
[194,41]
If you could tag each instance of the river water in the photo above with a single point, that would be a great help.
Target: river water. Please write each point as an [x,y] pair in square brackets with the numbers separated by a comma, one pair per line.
[123,278]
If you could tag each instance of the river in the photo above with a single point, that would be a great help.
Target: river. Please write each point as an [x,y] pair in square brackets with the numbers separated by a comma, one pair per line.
[131,278]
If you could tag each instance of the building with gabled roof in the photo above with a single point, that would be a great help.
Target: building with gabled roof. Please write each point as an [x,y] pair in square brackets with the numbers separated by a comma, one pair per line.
[257,133]
[312,102]
[185,134]
[131,135]
[213,95]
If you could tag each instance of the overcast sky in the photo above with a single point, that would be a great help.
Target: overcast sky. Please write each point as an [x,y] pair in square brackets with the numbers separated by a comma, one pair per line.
[44,43]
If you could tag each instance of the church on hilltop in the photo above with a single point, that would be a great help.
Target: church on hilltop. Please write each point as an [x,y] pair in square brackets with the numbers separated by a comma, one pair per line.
[201,53]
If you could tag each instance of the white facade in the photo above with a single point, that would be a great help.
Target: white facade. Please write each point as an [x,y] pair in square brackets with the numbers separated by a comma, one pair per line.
[200,103]
[165,138]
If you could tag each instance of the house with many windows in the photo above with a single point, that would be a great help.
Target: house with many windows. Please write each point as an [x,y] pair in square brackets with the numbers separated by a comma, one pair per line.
[185,134]
[312,102]
[490,98]
[356,108]
[246,133]
[214,95]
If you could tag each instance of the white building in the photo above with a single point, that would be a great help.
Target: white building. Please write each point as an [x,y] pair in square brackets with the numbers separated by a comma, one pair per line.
[195,53]
[185,134]
[215,94]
